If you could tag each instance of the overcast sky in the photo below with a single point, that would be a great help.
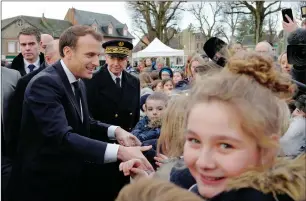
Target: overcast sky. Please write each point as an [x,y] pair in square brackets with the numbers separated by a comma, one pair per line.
[58,10]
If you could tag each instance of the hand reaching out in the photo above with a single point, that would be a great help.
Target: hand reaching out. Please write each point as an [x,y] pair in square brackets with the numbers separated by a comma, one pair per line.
[126,139]
[135,168]
[291,26]
[160,158]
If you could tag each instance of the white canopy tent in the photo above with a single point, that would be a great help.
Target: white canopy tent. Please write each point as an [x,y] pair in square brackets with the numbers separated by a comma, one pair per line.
[158,49]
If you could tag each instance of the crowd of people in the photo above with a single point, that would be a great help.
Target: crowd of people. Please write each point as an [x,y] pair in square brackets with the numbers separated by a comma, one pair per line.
[230,126]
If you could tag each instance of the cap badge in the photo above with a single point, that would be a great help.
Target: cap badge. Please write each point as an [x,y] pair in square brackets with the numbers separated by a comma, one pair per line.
[121,44]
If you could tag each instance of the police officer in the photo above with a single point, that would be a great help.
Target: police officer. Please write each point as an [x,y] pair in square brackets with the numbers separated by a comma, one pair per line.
[114,98]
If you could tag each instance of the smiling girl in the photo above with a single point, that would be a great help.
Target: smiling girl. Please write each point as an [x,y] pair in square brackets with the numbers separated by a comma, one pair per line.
[234,121]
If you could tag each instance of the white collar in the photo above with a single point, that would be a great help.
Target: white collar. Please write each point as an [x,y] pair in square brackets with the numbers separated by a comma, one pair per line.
[69,74]
[36,63]
[113,75]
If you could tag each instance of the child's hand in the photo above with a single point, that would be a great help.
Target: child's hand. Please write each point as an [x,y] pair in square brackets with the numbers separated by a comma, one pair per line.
[134,168]
[159,159]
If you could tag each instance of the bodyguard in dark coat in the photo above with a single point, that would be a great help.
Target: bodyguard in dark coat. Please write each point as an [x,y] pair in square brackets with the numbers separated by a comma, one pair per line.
[30,57]
[55,144]
[15,105]
[114,98]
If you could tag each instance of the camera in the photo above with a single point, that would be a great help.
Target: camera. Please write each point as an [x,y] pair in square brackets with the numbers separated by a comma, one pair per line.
[296,54]
[296,49]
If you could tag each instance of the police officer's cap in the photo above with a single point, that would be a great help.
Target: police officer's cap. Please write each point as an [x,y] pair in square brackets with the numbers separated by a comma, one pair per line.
[117,48]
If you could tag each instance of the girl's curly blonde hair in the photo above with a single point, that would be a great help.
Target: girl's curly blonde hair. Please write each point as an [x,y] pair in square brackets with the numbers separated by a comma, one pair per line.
[250,84]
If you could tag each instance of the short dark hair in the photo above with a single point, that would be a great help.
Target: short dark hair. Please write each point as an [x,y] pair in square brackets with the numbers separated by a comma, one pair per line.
[300,103]
[71,35]
[30,31]
[160,96]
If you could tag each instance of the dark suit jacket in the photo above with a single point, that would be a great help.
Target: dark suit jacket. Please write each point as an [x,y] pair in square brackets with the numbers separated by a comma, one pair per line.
[9,79]
[18,63]
[54,143]
[111,105]
[15,107]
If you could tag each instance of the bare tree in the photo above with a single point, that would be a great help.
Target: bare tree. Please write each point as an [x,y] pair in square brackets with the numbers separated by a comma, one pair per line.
[259,11]
[297,8]
[208,29]
[154,19]
[271,26]
[230,19]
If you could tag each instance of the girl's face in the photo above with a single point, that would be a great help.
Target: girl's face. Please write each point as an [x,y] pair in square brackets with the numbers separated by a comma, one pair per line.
[165,75]
[216,148]
[286,67]
[168,86]
[148,62]
[141,67]
[159,87]
[194,64]
[177,77]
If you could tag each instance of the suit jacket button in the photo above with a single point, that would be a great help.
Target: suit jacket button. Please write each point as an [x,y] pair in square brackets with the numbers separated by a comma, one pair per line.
[116,115]
[131,113]
[130,128]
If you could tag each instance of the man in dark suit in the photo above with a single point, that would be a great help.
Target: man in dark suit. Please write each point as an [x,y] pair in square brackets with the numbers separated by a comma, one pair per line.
[114,98]
[9,79]
[30,57]
[55,143]
[15,105]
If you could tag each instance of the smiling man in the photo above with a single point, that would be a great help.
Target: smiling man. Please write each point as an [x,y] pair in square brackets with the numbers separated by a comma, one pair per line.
[55,147]
[114,98]
[30,57]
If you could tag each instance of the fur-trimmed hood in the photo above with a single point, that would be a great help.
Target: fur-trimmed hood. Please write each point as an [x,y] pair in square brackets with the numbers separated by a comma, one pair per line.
[285,181]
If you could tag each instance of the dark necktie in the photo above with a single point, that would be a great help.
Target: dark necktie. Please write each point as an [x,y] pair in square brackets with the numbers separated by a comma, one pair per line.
[77,93]
[31,67]
[118,82]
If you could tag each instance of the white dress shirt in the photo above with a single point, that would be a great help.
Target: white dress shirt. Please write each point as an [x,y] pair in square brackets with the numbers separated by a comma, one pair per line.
[26,64]
[111,149]
[114,76]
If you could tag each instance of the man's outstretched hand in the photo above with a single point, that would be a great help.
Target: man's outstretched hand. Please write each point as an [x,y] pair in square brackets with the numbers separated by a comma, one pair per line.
[129,153]
[125,138]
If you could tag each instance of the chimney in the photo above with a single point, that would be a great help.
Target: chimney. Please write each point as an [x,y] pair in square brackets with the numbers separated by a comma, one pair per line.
[73,14]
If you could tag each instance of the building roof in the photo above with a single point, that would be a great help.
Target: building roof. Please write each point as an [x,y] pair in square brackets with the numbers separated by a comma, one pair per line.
[249,40]
[54,27]
[103,20]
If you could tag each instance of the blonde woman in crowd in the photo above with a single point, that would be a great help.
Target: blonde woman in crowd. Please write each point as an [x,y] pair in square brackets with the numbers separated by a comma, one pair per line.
[145,83]
[194,62]
[235,119]
[283,62]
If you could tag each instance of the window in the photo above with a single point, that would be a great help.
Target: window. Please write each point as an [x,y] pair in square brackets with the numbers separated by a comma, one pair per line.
[197,45]
[20,23]
[11,47]
[124,32]
[95,28]
[110,30]
[18,47]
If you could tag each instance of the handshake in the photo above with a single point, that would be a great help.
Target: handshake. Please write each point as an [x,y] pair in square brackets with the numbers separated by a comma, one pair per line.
[134,163]
[131,149]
